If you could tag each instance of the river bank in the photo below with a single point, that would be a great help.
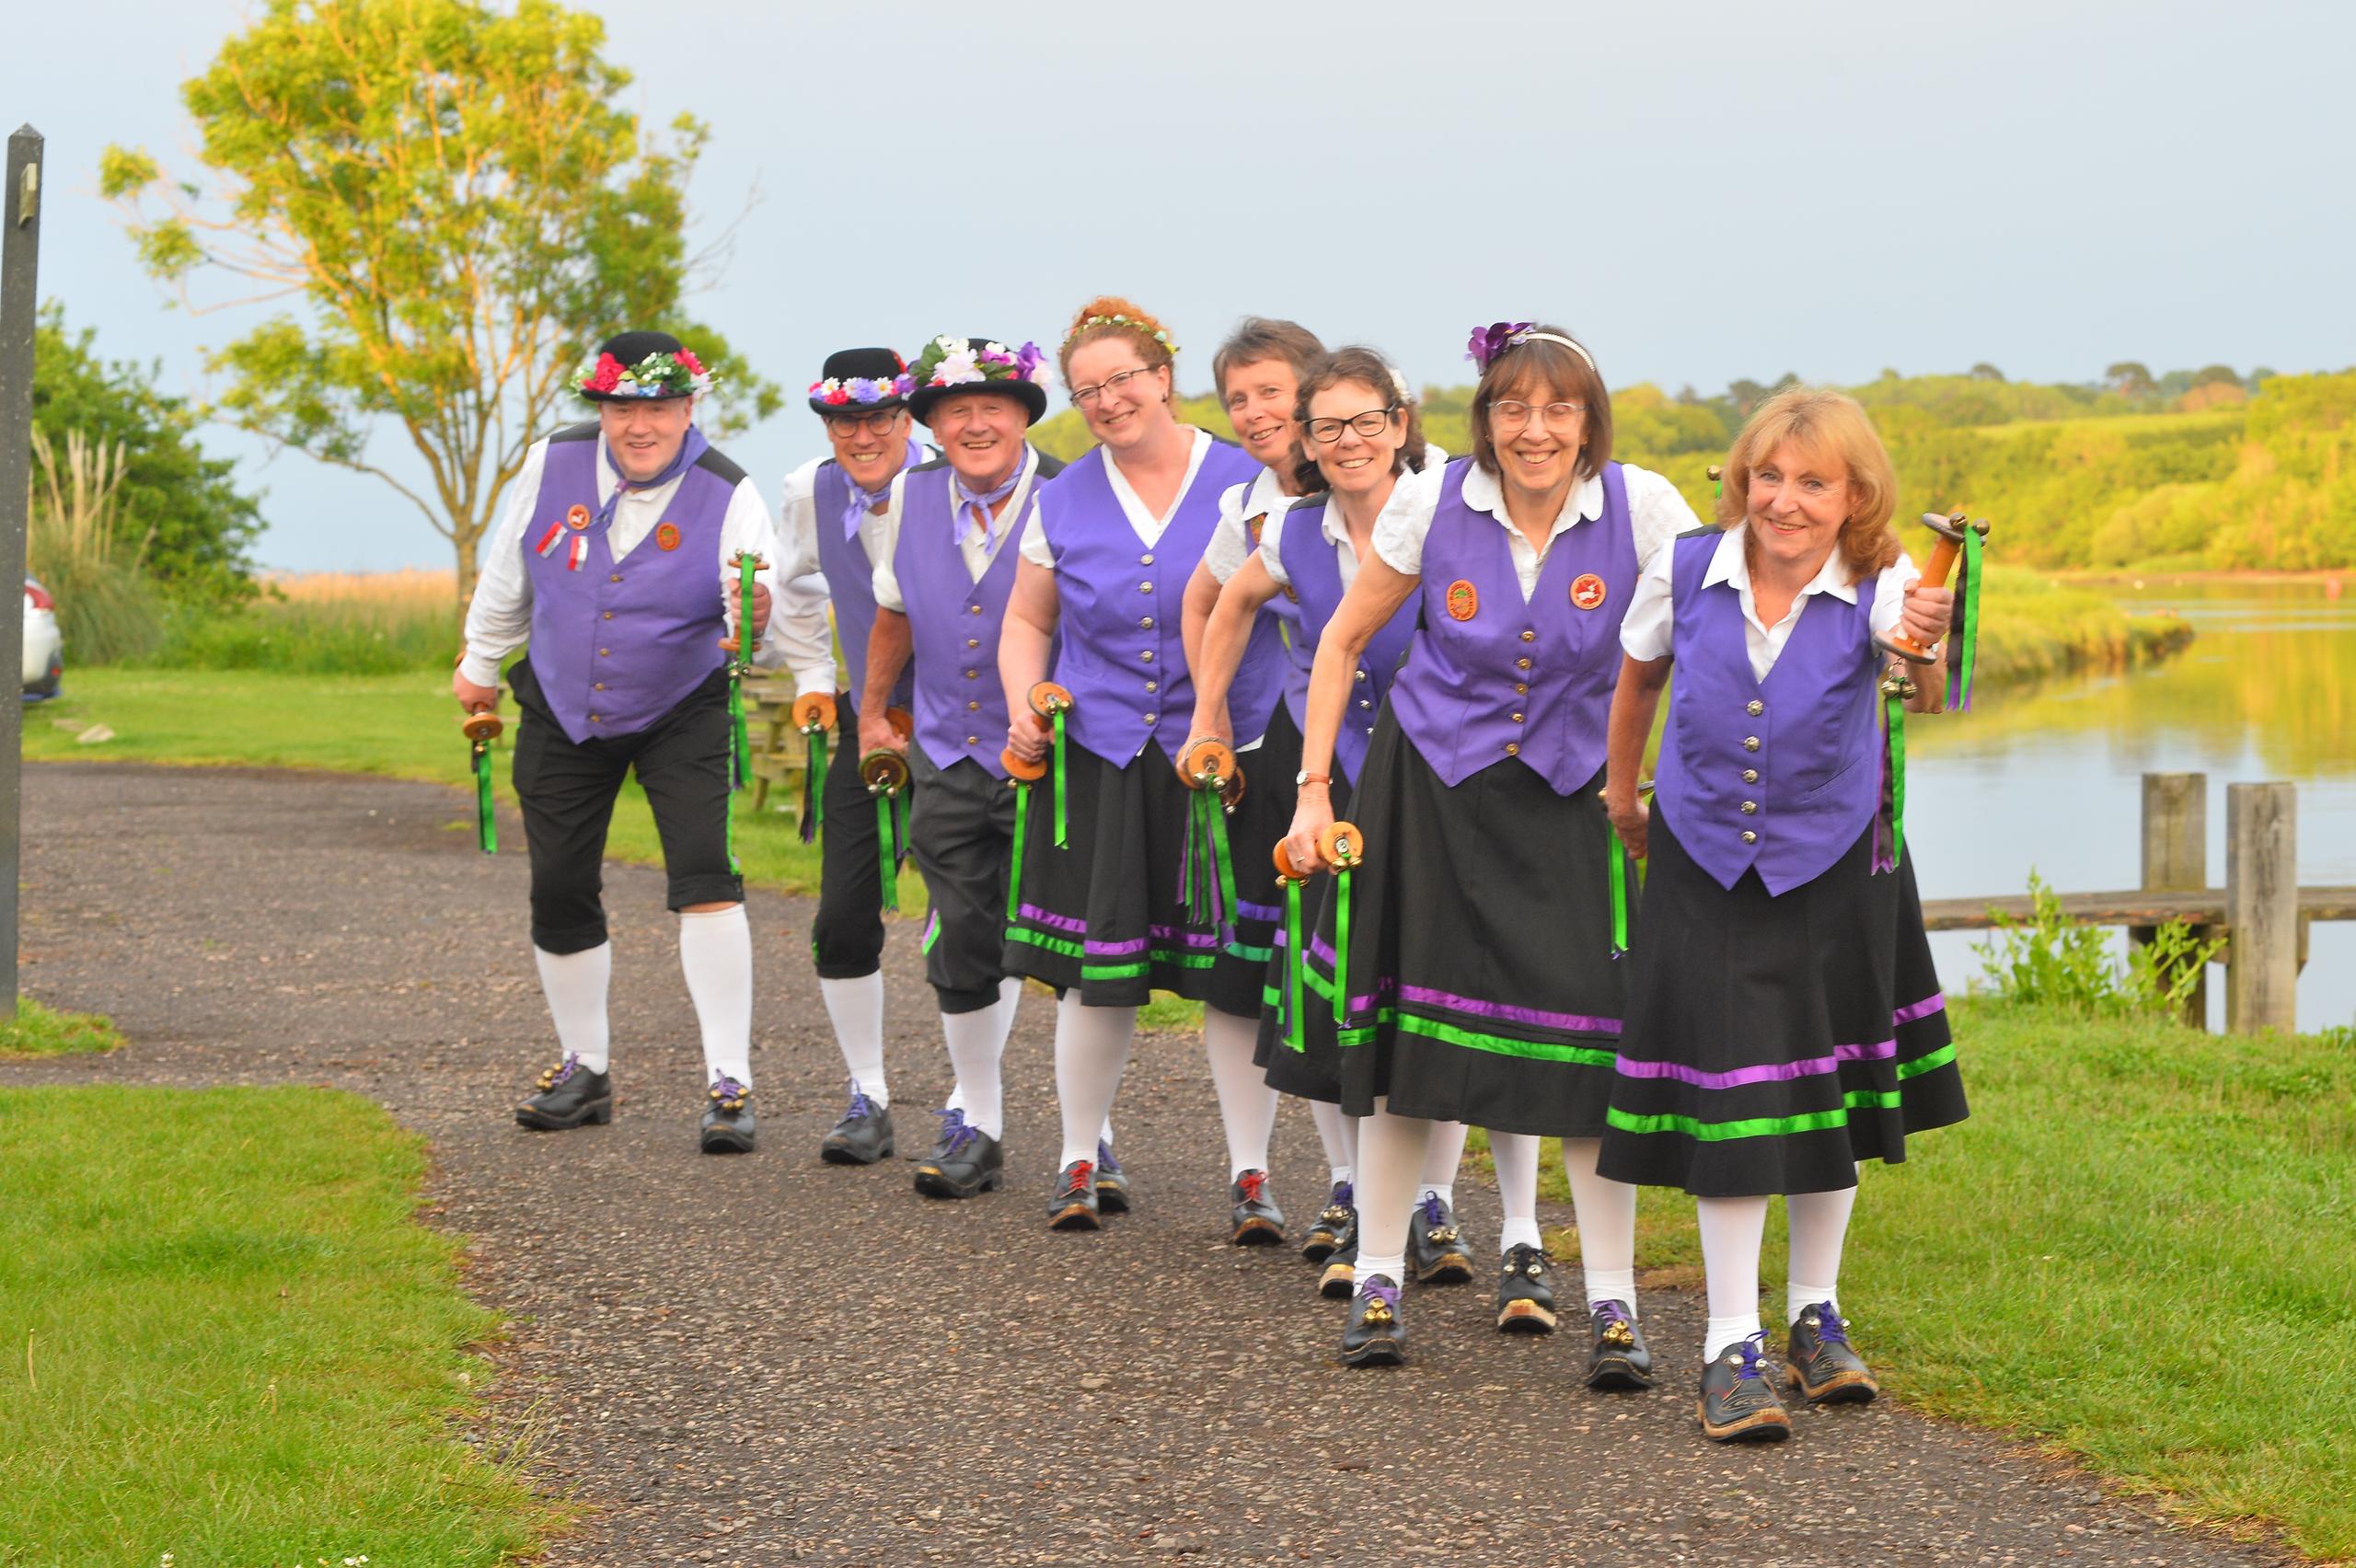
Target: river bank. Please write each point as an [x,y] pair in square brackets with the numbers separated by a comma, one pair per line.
[2034,627]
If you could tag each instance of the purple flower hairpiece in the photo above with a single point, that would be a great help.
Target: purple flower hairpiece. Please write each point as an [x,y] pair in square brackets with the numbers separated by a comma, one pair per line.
[1488,343]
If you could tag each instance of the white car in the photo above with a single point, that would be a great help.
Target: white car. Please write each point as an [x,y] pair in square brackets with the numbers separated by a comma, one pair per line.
[44,644]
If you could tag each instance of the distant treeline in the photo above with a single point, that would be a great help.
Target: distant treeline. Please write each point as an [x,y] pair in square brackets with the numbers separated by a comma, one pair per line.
[2185,471]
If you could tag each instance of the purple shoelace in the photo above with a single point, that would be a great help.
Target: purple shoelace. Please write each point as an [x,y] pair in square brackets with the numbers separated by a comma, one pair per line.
[571,1066]
[1750,1350]
[1345,1195]
[1104,1160]
[1609,1314]
[1829,1329]
[1435,1211]
[1380,1288]
[726,1088]
[862,1108]
[955,1131]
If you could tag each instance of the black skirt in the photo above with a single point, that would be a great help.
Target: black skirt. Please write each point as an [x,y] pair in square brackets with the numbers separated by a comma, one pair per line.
[1305,1060]
[1102,913]
[1483,986]
[1240,971]
[1773,1043]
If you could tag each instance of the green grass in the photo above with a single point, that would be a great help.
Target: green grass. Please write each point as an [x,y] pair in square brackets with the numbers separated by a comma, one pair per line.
[38,1031]
[2136,1252]
[227,1338]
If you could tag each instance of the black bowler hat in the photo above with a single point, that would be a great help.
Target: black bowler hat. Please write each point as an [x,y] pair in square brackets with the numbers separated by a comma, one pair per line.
[673,372]
[1016,373]
[860,381]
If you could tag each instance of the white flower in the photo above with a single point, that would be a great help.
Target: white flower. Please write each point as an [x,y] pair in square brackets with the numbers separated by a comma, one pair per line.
[957,366]
[999,349]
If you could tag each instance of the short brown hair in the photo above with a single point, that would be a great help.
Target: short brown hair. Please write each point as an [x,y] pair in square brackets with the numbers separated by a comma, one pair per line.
[1533,363]
[1363,365]
[1258,337]
[1094,320]
[1831,427]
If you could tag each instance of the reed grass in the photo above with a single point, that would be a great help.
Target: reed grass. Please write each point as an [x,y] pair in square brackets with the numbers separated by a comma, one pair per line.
[74,547]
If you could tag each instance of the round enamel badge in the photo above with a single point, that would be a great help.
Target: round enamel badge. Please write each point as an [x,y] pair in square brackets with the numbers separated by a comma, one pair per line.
[667,536]
[1253,525]
[1463,600]
[1588,592]
[578,518]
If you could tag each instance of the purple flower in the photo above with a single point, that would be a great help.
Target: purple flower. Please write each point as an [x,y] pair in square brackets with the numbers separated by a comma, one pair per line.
[903,385]
[1488,343]
[1026,360]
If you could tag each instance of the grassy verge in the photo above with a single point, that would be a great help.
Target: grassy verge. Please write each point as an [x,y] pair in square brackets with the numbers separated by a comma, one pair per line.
[2136,1251]
[2033,626]
[38,1031]
[227,1338]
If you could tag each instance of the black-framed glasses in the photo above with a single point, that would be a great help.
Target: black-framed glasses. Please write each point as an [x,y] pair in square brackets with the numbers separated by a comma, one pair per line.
[1512,413]
[877,422]
[1085,397]
[1368,424]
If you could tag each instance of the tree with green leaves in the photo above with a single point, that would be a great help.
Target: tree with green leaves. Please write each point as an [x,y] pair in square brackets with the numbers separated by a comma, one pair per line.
[450,197]
[2130,378]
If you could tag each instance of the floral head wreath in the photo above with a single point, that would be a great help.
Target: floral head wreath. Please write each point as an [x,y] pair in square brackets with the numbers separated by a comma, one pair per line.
[954,362]
[659,375]
[1148,328]
[1488,343]
[865,390]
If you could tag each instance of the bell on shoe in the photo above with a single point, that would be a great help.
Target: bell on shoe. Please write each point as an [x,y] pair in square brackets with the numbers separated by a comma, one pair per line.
[1257,1221]
[1074,1204]
[1376,1336]
[1617,1356]
[1821,1362]
[1525,1291]
[964,1162]
[727,1126]
[1333,1226]
[1738,1403]
[568,1095]
[862,1136]
[1436,1253]
[1112,1186]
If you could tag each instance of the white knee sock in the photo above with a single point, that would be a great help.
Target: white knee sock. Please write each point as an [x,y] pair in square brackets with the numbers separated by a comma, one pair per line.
[1516,1155]
[976,1042]
[1819,1223]
[1606,1219]
[1247,1106]
[1092,1050]
[857,1008]
[1392,1153]
[574,984]
[1731,1228]
[716,952]
[1339,1134]
[1442,1154]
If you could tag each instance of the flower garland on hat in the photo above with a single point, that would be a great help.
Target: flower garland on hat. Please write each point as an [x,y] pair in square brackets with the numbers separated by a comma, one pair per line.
[862,389]
[954,362]
[659,375]
[1148,328]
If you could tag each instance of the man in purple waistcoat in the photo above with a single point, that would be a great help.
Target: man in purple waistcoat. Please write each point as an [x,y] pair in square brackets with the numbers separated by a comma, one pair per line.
[940,594]
[613,563]
[836,519]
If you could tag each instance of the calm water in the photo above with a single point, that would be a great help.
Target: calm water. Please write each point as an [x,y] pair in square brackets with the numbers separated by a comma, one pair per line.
[2052,777]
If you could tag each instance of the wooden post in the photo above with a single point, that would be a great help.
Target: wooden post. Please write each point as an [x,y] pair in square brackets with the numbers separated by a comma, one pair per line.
[19,308]
[2176,858]
[2262,906]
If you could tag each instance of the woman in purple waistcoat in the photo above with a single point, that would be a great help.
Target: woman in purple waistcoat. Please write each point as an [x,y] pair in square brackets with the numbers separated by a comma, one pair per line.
[1472,957]
[1096,909]
[1783,1019]
[1366,438]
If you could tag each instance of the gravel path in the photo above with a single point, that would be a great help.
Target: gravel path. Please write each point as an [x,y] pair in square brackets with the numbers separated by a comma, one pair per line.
[768,1360]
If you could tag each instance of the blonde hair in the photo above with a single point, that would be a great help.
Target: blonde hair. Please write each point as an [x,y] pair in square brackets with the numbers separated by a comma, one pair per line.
[1833,428]
[1109,315]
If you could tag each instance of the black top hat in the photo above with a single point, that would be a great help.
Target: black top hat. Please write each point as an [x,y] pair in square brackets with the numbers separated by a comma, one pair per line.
[877,370]
[630,350]
[1029,393]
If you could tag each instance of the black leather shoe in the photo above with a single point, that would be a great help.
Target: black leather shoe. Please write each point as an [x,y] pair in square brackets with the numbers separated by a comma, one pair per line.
[1335,1225]
[1526,1291]
[1375,1336]
[1074,1204]
[1257,1221]
[1738,1403]
[862,1136]
[1617,1356]
[569,1095]
[1436,1253]
[1821,1364]
[728,1117]
[966,1162]
[1112,1186]
[1340,1275]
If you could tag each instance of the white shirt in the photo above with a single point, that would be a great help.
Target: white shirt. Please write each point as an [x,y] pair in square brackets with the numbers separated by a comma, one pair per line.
[499,617]
[1646,631]
[978,552]
[1147,527]
[1337,532]
[1656,513]
[1231,544]
[799,621]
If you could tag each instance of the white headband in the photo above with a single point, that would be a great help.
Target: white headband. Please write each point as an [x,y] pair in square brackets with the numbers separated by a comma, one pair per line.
[1520,337]
[1399,384]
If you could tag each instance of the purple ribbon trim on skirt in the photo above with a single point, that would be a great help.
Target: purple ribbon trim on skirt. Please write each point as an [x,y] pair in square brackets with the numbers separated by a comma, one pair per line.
[1772,1072]
[1576,1023]
[1265,912]
[1935,1002]
[1048,917]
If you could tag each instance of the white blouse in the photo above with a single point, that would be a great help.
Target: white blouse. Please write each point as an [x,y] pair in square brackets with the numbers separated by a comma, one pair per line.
[1231,544]
[977,551]
[1337,532]
[1656,513]
[1147,527]
[1647,630]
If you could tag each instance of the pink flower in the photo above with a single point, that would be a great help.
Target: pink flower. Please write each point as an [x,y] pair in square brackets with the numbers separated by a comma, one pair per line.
[695,366]
[837,396]
[607,375]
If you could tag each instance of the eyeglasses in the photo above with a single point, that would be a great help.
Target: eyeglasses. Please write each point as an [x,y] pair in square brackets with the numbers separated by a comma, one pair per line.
[877,423]
[1085,397]
[1368,424]
[1512,413]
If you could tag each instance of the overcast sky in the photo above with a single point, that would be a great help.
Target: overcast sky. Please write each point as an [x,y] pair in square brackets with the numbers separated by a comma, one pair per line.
[1701,190]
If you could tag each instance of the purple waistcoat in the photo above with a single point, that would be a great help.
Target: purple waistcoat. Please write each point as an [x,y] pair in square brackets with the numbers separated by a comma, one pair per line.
[1461,698]
[1297,652]
[1316,574]
[1120,606]
[850,581]
[953,621]
[617,644]
[1782,774]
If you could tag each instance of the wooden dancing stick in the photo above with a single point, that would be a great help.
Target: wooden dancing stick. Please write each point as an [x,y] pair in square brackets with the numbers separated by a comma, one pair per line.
[1950,530]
